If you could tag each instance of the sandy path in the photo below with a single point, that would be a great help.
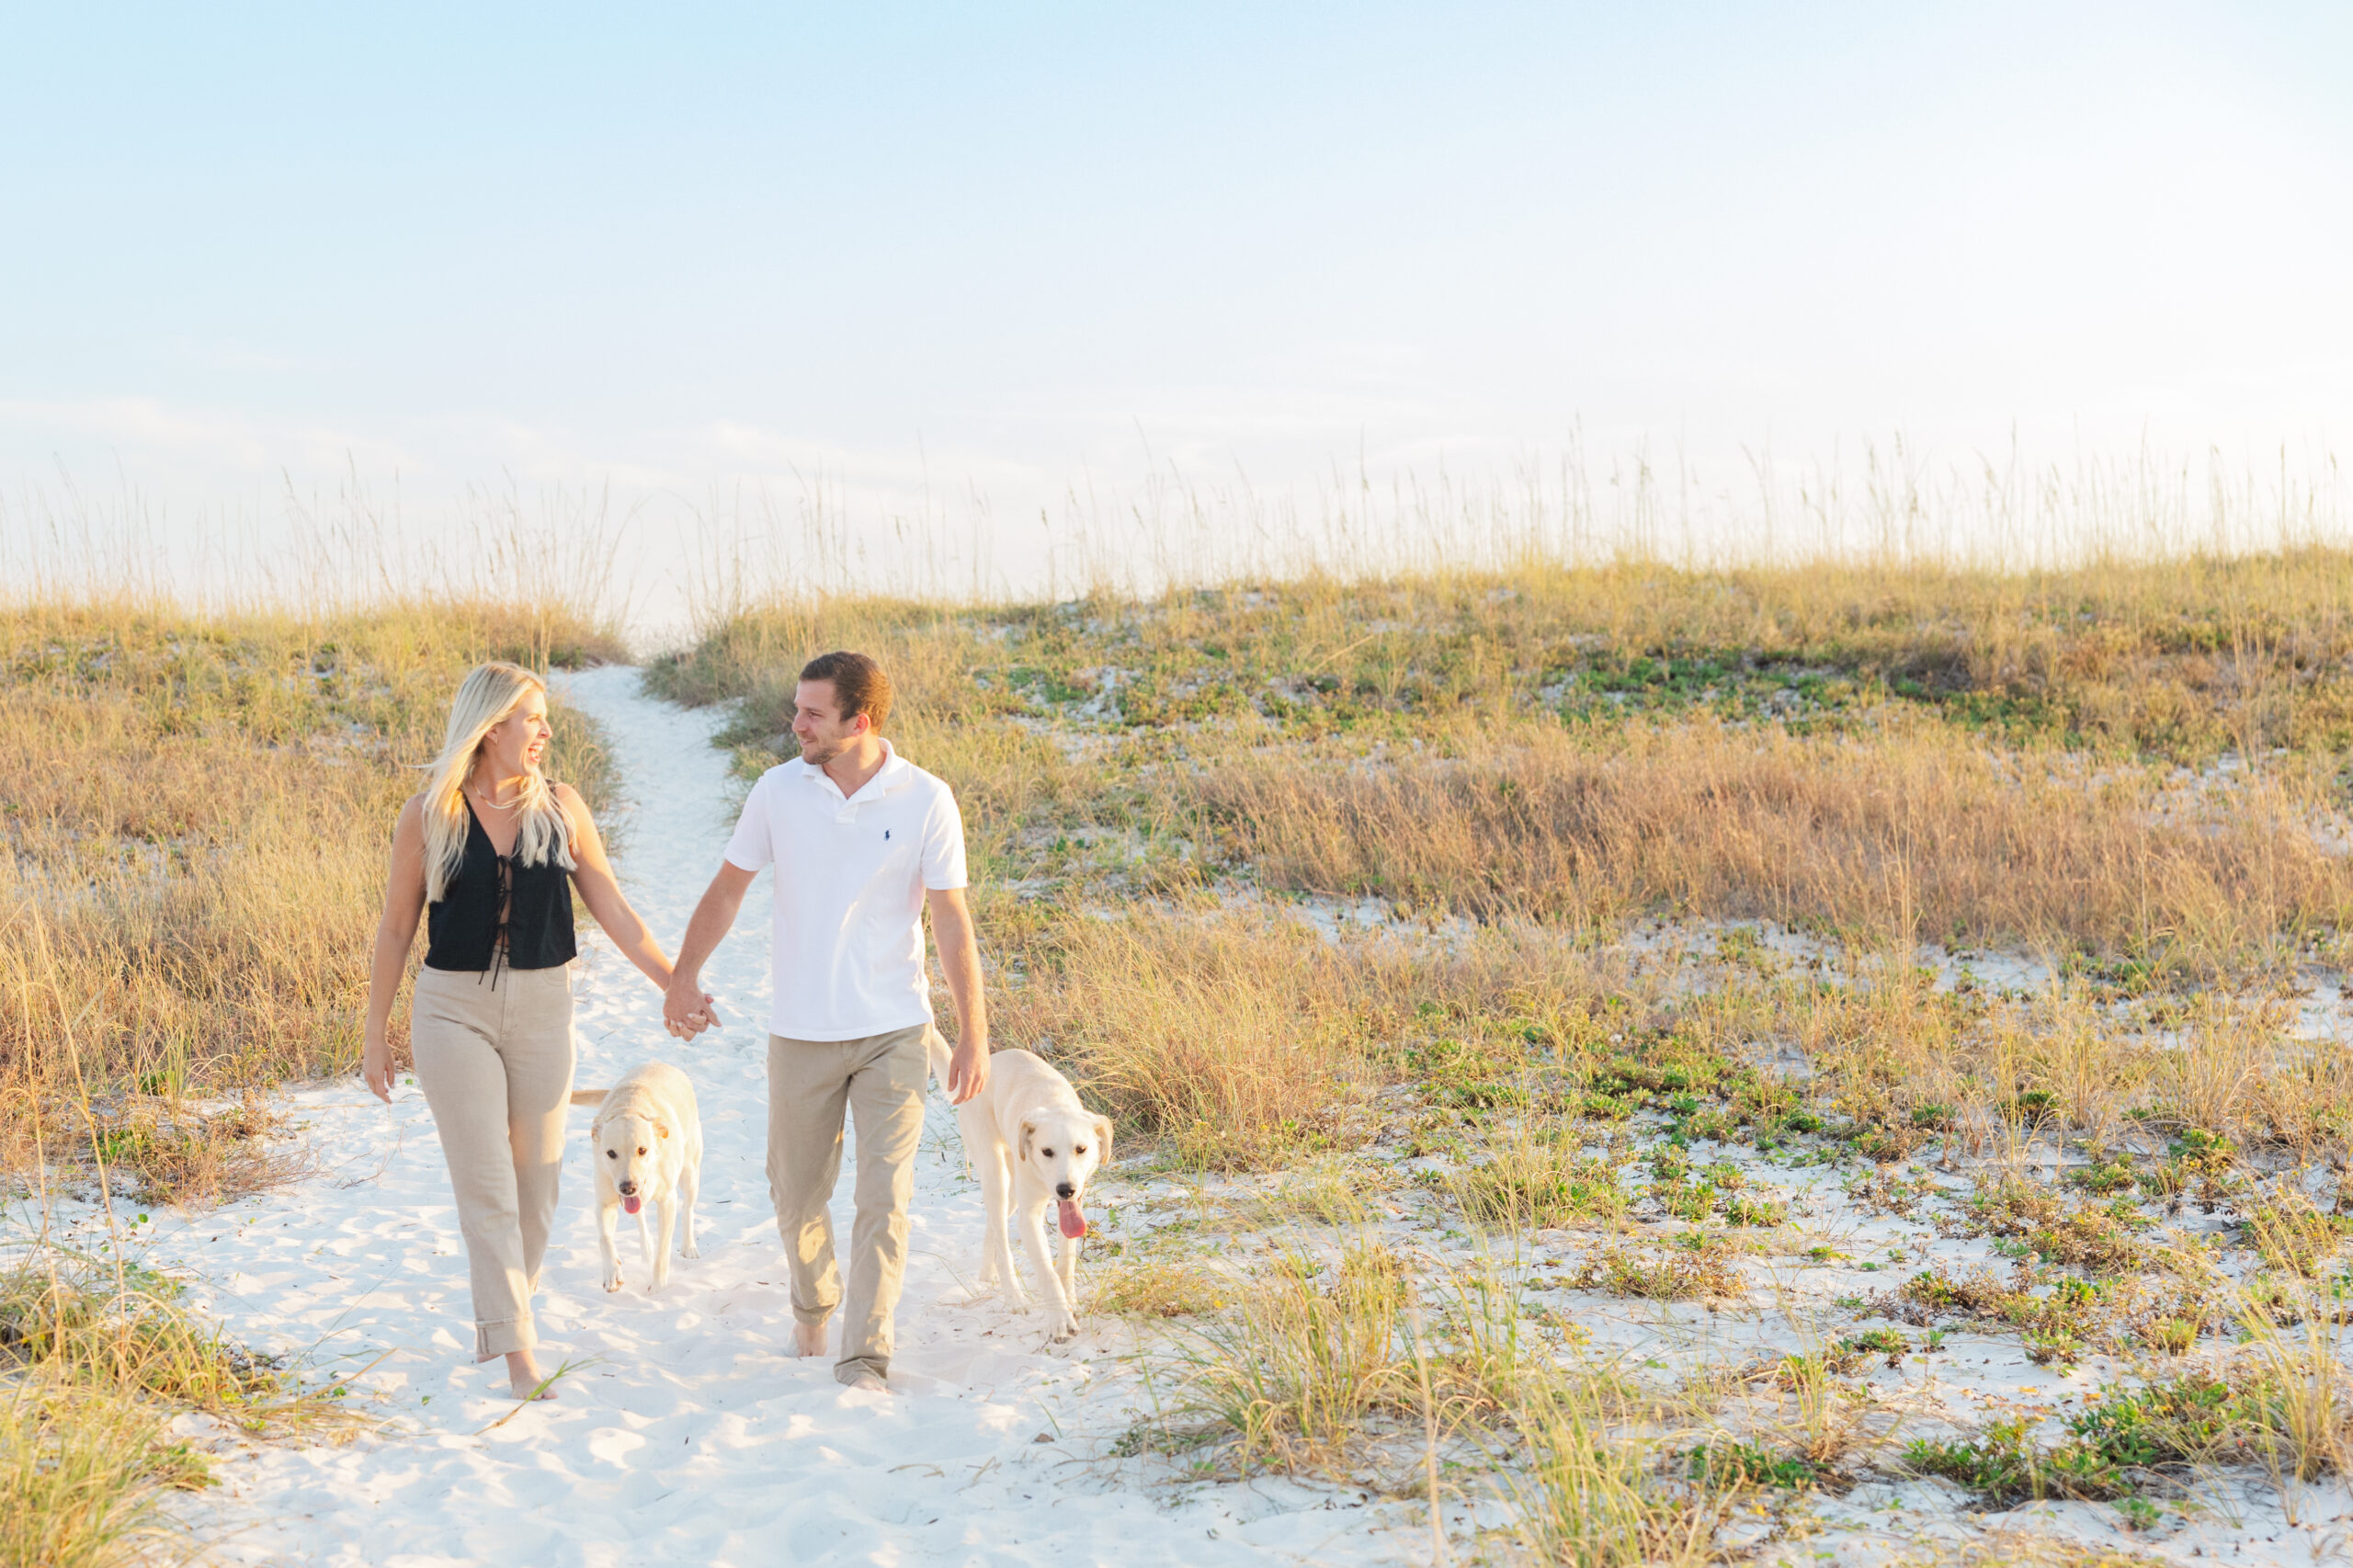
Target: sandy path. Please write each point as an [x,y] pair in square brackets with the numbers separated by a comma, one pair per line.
[694,1437]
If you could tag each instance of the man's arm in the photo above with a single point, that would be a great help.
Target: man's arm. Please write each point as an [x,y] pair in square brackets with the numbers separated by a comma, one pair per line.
[713,917]
[960,958]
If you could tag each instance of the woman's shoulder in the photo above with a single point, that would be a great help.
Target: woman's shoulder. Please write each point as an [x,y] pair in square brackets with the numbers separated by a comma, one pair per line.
[408,825]
[570,801]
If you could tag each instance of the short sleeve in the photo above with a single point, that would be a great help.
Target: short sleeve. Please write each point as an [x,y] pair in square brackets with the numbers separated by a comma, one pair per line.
[943,844]
[752,846]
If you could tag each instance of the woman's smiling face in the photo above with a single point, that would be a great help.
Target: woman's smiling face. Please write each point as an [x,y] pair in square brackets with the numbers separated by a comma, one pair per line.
[518,743]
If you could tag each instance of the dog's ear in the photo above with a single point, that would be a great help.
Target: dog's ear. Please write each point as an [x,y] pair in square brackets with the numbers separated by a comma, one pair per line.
[1103,1139]
[661,1129]
[1028,1136]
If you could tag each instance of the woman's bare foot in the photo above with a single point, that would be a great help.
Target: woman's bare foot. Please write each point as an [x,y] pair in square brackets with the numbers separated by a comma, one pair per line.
[808,1339]
[524,1377]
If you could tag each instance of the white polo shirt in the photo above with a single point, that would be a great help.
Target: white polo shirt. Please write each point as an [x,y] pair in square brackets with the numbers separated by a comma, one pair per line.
[850,876]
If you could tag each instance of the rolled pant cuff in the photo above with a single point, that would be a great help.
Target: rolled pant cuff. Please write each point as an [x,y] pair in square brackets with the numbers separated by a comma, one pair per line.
[857,1367]
[496,1339]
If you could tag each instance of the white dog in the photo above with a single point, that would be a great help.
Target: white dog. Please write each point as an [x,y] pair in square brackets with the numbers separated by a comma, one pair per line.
[648,1142]
[1032,1144]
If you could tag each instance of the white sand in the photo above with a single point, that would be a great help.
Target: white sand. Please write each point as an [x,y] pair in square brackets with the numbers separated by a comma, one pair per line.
[694,1437]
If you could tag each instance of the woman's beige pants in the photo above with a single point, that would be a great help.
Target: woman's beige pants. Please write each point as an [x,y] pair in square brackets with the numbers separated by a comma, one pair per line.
[494,1059]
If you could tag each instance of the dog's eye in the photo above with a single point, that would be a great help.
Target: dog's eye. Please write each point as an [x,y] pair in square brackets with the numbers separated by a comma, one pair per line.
[612,1153]
[1048,1153]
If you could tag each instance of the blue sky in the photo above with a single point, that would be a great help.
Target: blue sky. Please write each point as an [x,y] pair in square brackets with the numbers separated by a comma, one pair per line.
[1005,250]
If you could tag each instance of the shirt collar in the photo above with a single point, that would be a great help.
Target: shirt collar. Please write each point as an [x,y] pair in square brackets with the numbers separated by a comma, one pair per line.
[895,774]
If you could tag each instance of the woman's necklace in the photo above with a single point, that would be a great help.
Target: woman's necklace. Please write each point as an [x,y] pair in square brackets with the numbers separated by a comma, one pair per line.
[491,801]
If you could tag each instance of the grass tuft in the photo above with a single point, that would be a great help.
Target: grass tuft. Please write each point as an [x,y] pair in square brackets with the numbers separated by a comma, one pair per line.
[100,1357]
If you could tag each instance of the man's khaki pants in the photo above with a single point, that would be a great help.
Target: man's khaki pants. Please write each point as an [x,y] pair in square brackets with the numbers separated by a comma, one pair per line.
[881,1079]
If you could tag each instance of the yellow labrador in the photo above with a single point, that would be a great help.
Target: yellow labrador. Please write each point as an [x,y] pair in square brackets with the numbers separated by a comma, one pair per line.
[648,1142]
[1031,1143]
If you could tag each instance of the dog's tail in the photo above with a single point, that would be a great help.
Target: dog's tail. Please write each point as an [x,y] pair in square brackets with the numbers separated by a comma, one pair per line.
[935,1047]
[589,1096]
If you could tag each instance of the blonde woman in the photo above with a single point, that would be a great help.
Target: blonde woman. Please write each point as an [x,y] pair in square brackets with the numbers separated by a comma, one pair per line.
[489,852]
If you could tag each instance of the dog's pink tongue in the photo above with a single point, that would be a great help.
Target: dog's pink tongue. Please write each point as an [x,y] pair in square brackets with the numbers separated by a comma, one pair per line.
[1074,1222]
[632,1203]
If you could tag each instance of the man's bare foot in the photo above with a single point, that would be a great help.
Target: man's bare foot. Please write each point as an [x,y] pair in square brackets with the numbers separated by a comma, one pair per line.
[524,1377]
[808,1339]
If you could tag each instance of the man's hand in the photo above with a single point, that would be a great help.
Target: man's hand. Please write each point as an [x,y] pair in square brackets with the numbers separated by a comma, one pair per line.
[968,1067]
[686,1008]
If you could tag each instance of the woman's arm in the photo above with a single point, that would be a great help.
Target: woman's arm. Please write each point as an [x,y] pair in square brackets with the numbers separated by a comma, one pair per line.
[403,903]
[601,891]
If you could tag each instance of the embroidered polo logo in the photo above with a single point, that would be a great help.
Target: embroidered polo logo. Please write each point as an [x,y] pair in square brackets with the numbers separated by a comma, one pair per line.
[886,836]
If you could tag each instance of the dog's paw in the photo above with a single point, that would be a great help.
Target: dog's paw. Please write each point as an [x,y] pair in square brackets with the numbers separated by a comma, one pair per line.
[691,1250]
[661,1278]
[612,1280]
[1065,1326]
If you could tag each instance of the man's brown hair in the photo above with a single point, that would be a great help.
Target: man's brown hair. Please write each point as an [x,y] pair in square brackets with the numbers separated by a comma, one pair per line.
[860,685]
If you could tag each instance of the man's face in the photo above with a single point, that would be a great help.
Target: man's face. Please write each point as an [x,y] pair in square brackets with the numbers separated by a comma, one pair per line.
[818,726]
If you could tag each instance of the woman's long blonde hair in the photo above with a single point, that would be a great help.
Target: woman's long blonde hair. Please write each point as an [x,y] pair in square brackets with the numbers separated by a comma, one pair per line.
[489,695]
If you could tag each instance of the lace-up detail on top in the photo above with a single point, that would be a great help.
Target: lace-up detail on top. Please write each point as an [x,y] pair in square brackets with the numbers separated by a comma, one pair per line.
[497,914]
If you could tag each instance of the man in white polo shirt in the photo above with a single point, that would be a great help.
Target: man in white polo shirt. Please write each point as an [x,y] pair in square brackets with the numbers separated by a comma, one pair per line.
[862,841]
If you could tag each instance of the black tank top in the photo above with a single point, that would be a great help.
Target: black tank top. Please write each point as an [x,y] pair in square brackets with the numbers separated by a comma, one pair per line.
[463,928]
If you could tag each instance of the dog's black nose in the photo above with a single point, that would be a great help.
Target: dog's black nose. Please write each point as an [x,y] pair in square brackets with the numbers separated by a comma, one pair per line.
[627,1187]
[1065,1190]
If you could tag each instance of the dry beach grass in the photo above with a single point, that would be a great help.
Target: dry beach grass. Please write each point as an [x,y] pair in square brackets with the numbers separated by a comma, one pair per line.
[1913,830]
[102,1362]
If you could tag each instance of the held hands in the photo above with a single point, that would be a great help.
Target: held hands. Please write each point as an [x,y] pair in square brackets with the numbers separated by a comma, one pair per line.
[688,1010]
